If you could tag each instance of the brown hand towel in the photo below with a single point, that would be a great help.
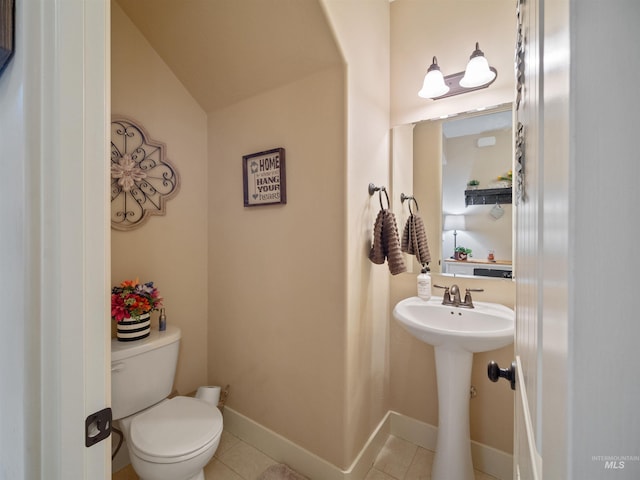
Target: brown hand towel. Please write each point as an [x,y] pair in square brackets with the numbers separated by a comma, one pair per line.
[376,254]
[391,241]
[414,239]
[421,247]
[407,243]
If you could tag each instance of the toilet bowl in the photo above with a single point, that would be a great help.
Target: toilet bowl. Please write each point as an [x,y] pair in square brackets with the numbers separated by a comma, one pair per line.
[167,438]
[173,440]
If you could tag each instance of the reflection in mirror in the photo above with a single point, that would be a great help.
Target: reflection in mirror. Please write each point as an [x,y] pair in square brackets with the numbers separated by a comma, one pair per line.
[477,195]
[467,159]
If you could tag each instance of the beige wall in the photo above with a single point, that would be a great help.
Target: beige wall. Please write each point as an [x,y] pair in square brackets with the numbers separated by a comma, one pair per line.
[170,250]
[362,31]
[277,273]
[449,30]
[298,291]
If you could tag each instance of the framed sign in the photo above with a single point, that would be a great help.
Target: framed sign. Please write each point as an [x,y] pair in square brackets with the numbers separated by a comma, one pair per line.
[7,32]
[264,178]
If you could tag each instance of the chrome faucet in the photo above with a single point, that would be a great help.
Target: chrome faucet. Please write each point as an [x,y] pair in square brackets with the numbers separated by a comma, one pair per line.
[452,296]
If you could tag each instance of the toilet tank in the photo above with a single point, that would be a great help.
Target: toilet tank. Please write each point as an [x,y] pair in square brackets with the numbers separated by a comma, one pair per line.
[142,371]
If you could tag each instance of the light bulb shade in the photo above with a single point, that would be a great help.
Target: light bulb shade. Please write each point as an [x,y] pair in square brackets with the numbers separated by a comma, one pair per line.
[477,72]
[433,85]
[454,222]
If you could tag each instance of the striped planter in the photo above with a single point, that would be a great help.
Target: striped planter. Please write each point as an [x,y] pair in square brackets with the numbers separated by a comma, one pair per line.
[130,329]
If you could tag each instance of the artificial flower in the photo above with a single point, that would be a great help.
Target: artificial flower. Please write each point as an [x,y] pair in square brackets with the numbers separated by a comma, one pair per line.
[131,299]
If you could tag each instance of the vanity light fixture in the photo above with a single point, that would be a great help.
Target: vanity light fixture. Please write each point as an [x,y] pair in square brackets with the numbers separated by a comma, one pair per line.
[477,75]
[478,71]
[433,85]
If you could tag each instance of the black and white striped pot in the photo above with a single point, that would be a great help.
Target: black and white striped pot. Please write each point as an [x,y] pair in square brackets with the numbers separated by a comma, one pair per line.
[129,330]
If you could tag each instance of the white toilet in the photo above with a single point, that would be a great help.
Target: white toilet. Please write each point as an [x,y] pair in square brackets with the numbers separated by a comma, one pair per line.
[167,439]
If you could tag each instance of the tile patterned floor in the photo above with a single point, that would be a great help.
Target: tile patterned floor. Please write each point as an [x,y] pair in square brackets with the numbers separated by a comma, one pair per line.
[402,460]
[236,460]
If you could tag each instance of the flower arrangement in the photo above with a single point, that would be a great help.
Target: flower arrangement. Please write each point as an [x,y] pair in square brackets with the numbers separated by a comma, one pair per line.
[131,299]
[507,177]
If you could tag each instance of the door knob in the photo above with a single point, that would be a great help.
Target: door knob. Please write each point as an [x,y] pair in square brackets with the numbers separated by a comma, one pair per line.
[494,372]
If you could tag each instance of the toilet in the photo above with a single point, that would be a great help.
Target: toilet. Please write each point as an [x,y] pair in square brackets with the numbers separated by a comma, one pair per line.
[167,438]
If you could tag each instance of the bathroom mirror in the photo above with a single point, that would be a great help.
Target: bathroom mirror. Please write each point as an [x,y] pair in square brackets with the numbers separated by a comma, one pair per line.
[474,160]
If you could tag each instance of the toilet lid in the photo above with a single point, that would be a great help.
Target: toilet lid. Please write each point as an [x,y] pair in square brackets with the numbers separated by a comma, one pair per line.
[176,427]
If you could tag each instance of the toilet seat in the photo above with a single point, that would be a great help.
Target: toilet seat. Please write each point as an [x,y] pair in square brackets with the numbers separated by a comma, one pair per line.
[175,430]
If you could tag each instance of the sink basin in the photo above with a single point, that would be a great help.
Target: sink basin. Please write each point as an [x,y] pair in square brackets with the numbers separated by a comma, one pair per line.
[488,326]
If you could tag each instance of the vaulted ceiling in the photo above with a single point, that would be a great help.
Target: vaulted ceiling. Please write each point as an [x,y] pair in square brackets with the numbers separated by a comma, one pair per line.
[226,50]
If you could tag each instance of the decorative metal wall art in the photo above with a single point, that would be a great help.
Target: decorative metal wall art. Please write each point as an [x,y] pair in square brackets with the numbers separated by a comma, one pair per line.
[519,164]
[142,179]
[520,138]
[7,32]
[519,61]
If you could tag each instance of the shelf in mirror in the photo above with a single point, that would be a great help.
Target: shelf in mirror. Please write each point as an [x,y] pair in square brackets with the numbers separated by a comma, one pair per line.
[488,196]
[478,268]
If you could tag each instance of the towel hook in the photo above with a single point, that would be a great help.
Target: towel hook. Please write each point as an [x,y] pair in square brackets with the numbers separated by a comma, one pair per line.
[404,197]
[373,189]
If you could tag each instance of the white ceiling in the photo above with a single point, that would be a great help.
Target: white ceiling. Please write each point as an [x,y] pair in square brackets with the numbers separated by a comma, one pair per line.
[477,124]
[226,50]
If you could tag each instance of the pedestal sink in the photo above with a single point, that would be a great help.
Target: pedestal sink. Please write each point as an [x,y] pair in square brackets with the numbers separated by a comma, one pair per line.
[456,333]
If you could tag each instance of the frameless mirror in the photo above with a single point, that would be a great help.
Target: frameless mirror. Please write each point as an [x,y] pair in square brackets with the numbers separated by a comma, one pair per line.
[475,162]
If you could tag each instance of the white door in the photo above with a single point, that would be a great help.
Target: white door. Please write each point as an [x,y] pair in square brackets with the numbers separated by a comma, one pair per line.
[55,241]
[542,245]
[74,245]
[528,247]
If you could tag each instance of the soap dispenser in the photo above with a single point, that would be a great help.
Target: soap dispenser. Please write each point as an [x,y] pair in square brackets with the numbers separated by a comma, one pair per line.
[424,283]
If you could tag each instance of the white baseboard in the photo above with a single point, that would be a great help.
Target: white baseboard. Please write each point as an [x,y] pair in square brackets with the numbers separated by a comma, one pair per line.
[487,459]
[492,461]
[307,463]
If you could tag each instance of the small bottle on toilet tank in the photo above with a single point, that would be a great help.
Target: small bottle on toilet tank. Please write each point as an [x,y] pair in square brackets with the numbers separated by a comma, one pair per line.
[162,321]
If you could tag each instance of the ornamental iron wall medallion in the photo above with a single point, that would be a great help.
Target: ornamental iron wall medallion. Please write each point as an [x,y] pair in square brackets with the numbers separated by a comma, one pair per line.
[142,179]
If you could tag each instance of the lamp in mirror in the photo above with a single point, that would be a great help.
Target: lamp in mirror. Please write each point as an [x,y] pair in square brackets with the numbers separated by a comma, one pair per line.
[477,75]
[455,223]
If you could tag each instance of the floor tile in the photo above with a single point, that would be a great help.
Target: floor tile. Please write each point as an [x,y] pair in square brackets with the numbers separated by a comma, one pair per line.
[217,470]
[245,460]
[227,441]
[127,473]
[482,476]
[377,475]
[395,457]
[236,460]
[420,468]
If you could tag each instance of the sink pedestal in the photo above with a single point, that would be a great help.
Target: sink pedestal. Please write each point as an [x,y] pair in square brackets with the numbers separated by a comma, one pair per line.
[453,449]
